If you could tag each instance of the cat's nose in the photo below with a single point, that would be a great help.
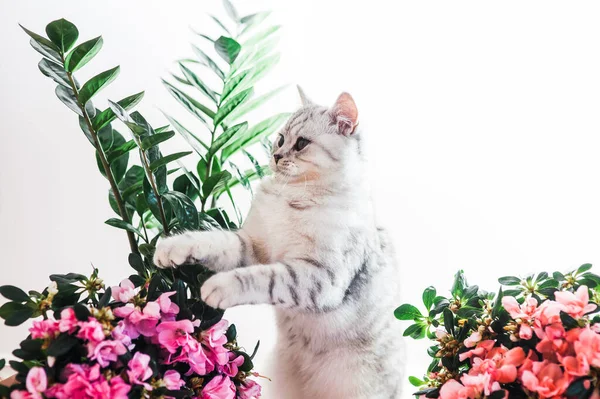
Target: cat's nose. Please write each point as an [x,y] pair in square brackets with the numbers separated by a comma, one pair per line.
[277,158]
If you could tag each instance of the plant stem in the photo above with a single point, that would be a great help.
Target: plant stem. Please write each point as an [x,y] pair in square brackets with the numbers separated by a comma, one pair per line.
[150,177]
[106,166]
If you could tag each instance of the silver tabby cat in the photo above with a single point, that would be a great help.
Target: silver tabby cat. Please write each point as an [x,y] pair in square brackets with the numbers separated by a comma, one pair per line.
[310,247]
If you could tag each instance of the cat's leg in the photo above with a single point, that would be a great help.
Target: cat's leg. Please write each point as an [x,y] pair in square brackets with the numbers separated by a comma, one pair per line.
[218,250]
[295,283]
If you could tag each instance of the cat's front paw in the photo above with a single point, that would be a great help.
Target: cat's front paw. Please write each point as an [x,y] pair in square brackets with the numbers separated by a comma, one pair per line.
[221,291]
[174,251]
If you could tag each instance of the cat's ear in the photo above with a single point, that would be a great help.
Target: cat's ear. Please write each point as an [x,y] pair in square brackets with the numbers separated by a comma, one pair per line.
[344,114]
[305,100]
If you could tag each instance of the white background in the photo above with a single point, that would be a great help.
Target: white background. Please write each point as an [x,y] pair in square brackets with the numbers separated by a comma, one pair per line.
[481,120]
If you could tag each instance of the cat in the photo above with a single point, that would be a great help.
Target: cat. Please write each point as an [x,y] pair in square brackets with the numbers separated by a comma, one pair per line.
[310,246]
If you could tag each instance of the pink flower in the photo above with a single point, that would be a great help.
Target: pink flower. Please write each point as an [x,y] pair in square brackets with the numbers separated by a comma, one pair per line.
[214,338]
[576,304]
[545,378]
[174,334]
[139,370]
[231,369]
[68,322]
[36,382]
[91,330]
[553,342]
[118,334]
[500,364]
[85,382]
[193,354]
[249,389]
[480,351]
[220,387]
[139,322]
[172,380]
[124,292]
[453,389]
[106,352]
[168,309]
[119,388]
[44,329]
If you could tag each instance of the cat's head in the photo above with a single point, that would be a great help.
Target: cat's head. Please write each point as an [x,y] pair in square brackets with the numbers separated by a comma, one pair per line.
[317,142]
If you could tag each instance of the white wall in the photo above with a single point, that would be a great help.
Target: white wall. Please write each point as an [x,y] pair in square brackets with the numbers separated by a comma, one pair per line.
[482,121]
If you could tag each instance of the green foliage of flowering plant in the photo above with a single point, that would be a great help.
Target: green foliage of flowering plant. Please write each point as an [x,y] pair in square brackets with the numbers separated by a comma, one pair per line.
[494,345]
[150,193]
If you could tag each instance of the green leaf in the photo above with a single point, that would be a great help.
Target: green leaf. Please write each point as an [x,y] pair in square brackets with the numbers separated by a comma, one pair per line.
[221,24]
[206,60]
[48,53]
[214,182]
[568,321]
[254,134]
[190,137]
[95,84]
[14,293]
[193,106]
[254,19]
[253,104]
[120,224]
[509,280]
[231,11]
[584,268]
[46,47]
[260,36]
[105,298]
[67,96]
[428,297]
[416,381]
[415,331]
[407,312]
[249,175]
[449,321]
[55,72]
[62,33]
[107,116]
[118,152]
[111,140]
[233,83]
[62,345]
[155,139]
[497,303]
[82,54]
[184,209]
[195,81]
[231,104]
[227,48]
[226,137]
[166,159]
[459,285]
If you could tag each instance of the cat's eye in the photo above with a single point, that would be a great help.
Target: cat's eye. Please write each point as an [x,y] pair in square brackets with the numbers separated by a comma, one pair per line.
[301,143]
[281,140]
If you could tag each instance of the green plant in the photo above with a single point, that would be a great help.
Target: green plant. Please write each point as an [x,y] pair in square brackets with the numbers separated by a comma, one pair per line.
[241,58]
[151,197]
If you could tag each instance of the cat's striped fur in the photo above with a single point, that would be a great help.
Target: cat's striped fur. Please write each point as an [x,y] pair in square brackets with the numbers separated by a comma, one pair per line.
[310,246]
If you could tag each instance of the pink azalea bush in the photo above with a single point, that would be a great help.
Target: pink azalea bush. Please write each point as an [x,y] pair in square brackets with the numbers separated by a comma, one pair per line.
[131,347]
[539,338]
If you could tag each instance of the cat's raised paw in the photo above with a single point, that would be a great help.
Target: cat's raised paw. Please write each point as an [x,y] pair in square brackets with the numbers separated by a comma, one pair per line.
[174,251]
[221,291]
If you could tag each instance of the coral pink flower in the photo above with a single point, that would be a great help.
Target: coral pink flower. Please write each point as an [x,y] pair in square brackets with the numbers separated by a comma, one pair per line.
[545,378]
[68,322]
[553,343]
[174,334]
[453,389]
[106,352]
[249,389]
[500,364]
[472,340]
[124,292]
[516,311]
[588,347]
[220,387]
[576,304]
[480,351]
[139,370]
[547,313]
[44,329]
[91,330]
[172,380]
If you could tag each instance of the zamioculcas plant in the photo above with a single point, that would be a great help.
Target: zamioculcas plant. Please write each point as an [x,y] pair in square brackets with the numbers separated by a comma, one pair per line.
[150,202]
